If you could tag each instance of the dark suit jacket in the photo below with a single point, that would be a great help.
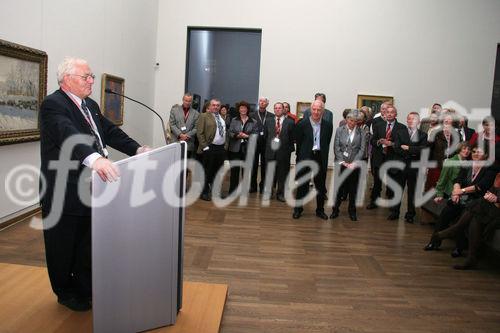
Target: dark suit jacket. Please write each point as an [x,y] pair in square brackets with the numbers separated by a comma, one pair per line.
[402,137]
[439,146]
[378,156]
[304,137]
[286,140]
[261,125]
[60,119]
[468,133]
[483,181]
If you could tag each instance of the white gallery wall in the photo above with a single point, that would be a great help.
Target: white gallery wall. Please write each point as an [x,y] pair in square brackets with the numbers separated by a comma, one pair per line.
[420,52]
[417,51]
[117,37]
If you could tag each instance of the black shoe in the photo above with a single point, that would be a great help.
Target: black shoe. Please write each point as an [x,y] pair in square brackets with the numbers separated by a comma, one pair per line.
[393,216]
[205,197]
[371,205]
[261,190]
[434,243]
[321,214]
[409,219]
[334,214]
[253,190]
[281,197]
[456,253]
[74,303]
[468,264]
[353,217]
[297,212]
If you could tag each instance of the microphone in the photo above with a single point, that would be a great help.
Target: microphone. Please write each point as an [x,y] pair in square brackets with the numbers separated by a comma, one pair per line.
[109,91]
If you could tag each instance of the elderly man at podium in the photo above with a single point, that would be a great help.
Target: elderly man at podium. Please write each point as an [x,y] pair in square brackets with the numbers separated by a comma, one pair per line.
[63,114]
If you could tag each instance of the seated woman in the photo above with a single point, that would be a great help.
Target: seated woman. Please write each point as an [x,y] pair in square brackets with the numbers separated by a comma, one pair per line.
[450,171]
[471,183]
[239,132]
[349,148]
[482,217]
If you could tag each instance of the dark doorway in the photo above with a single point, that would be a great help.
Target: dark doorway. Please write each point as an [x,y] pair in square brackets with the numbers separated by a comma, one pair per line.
[223,63]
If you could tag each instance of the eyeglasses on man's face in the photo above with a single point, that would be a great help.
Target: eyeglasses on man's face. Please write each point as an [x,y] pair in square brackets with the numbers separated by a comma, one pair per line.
[85,77]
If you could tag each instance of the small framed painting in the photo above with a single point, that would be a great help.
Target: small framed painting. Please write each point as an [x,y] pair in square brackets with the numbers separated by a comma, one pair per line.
[301,107]
[373,101]
[111,104]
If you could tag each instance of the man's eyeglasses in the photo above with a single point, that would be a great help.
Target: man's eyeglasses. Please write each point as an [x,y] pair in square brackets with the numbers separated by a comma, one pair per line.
[85,77]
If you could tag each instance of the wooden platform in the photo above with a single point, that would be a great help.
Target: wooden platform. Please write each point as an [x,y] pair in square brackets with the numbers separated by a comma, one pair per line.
[27,304]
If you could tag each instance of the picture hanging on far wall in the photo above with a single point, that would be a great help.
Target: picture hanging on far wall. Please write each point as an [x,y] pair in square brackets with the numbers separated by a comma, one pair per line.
[373,101]
[301,107]
[23,86]
[111,104]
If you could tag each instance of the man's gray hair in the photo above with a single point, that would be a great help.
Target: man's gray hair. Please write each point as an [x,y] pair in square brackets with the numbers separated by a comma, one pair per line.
[67,66]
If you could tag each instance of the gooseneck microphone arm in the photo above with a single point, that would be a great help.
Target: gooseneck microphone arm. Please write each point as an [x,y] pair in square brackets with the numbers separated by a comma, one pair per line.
[109,91]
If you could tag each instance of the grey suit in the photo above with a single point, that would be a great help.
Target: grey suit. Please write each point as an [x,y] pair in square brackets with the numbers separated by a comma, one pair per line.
[238,147]
[235,128]
[347,150]
[179,125]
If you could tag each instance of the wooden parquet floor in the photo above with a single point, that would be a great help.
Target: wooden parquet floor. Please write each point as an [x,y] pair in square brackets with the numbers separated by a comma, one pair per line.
[309,275]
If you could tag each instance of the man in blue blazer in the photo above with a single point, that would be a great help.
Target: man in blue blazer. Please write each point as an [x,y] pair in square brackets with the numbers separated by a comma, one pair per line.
[67,112]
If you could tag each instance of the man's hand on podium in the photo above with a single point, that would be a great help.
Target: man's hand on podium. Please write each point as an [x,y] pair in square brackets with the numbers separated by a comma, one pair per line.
[142,149]
[106,169]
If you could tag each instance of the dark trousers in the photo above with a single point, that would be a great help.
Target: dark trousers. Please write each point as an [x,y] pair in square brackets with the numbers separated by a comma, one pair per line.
[68,255]
[280,174]
[349,188]
[213,160]
[319,183]
[407,177]
[235,177]
[377,184]
[260,151]
[449,215]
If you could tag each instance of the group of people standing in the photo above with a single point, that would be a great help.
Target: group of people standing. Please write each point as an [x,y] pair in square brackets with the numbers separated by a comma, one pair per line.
[360,138]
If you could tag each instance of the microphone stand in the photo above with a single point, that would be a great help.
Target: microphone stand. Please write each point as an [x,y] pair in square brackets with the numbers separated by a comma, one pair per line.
[109,91]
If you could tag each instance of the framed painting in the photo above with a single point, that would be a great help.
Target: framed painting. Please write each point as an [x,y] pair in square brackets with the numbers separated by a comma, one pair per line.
[373,101]
[23,86]
[111,104]
[301,107]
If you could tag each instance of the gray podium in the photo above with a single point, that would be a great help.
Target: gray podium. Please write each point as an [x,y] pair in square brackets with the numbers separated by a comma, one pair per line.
[137,241]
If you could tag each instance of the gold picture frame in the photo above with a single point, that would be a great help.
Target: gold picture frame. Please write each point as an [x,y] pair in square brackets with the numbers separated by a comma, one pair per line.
[373,101]
[23,86]
[301,107]
[111,104]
